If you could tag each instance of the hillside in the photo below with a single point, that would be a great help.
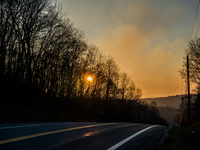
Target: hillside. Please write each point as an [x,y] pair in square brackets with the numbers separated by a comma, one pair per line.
[167,106]
[168,113]
[172,101]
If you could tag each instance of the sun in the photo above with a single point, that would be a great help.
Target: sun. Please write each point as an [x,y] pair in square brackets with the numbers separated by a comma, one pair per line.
[89,78]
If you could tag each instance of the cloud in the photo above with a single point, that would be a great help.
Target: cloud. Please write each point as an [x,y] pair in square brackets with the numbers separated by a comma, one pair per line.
[162,55]
[153,67]
[123,43]
[146,37]
[145,46]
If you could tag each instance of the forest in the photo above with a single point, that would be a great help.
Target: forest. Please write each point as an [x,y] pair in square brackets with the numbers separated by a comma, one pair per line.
[44,66]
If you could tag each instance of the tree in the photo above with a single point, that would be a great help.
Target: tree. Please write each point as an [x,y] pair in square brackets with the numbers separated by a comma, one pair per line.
[153,107]
[72,60]
[124,84]
[133,92]
[7,43]
[194,62]
[111,73]
[92,64]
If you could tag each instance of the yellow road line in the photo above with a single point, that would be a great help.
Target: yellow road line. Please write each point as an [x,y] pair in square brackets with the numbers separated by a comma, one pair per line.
[50,132]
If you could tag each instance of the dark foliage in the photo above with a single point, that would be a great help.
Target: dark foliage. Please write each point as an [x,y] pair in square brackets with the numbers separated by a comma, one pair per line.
[196,109]
[41,107]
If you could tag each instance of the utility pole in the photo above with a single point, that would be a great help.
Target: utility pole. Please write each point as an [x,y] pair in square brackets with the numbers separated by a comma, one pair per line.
[188,85]
[142,117]
[182,110]
[135,112]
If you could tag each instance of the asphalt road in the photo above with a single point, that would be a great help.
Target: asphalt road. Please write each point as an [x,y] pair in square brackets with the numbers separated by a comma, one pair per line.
[79,136]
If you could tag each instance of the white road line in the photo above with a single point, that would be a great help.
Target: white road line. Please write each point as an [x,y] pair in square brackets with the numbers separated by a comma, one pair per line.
[129,138]
[24,126]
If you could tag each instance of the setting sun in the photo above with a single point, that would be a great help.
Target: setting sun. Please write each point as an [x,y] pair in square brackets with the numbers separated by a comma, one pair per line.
[89,78]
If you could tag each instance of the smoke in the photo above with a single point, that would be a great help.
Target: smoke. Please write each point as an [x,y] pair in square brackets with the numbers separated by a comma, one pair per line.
[146,37]
[153,66]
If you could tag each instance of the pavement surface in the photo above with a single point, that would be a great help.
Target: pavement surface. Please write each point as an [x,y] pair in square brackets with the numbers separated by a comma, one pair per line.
[83,136]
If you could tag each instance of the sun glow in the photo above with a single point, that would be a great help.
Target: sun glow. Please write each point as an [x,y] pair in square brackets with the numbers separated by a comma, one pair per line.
[89,78]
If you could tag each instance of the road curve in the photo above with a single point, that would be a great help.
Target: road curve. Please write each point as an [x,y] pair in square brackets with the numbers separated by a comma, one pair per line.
[84,136]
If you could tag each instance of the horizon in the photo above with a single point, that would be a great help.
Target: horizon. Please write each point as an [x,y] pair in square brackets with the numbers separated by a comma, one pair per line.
[163,96]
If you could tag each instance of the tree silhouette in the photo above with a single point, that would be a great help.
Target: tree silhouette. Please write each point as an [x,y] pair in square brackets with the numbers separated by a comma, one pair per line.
[44,65]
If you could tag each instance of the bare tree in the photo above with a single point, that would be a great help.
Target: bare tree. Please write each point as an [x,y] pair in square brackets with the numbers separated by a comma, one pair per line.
[111,72]
[133,92]
[194,62]
[124,81]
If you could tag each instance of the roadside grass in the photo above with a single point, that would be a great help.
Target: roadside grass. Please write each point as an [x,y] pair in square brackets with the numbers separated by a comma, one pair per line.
[183,138]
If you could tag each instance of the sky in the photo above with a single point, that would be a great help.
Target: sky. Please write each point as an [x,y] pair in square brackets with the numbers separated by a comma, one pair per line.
[147,38]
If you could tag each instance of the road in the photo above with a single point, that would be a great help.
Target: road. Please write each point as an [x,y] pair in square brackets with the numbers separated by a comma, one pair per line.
[83,136]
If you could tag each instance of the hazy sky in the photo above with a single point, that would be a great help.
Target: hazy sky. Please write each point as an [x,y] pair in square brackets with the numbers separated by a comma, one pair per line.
[147,38]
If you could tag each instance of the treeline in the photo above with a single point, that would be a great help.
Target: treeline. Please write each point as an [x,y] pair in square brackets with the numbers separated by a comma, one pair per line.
[48,109]
[45,62]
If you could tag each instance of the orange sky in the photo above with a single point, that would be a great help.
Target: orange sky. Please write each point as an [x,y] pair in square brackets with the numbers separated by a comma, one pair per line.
[147,38]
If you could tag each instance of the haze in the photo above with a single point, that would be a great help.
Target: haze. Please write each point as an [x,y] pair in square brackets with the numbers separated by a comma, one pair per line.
[147,38]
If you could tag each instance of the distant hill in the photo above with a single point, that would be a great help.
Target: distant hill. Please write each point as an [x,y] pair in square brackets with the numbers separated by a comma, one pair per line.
[172,101]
